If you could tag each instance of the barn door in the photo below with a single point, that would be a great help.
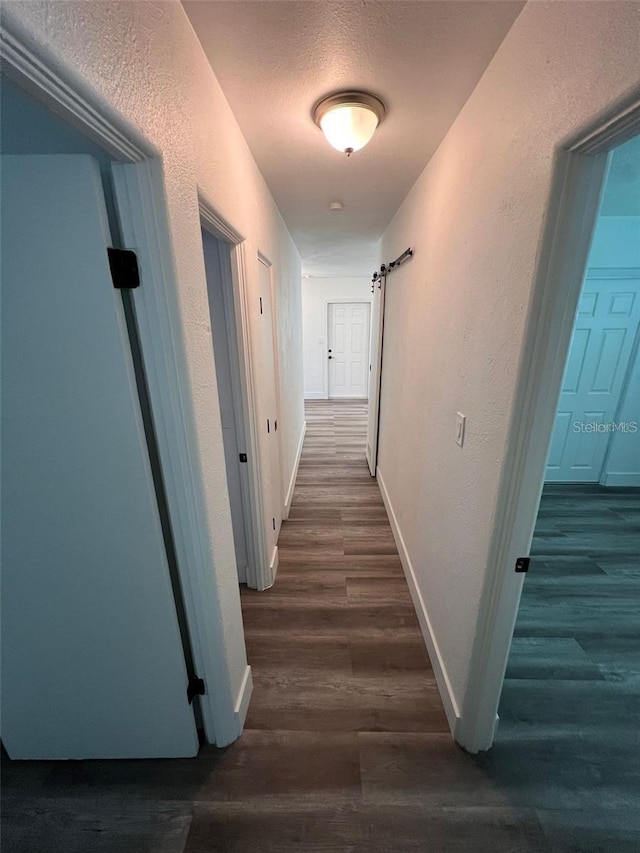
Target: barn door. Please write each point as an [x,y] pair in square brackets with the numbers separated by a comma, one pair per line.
[375,374]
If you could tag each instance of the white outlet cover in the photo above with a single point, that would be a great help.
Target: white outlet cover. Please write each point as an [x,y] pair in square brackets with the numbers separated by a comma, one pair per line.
[460,423]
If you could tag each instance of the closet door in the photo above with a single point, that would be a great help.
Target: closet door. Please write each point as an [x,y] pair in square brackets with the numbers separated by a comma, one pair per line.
[93,665]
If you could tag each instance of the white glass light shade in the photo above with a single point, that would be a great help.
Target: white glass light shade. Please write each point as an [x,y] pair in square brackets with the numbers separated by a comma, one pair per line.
[349,128]
[349,120]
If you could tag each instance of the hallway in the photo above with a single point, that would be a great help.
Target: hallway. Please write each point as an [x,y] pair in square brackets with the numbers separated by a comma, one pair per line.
[335,645]
[346,746]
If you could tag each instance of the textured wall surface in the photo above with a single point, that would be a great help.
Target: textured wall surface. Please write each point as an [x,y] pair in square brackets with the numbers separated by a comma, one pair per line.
[455,315]
[144,60]
[316,292]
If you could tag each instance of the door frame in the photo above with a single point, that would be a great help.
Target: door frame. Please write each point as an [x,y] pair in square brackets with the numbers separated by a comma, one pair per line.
[344,300]
[139,187]
[577,183]
[274,558]
[242,382]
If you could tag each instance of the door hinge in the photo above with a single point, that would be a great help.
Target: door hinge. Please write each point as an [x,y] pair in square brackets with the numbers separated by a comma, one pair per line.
[195,688]
[274,523]
[522,564]
[123,264]
[275,426]
[268,427]
[243,457]
[261,305]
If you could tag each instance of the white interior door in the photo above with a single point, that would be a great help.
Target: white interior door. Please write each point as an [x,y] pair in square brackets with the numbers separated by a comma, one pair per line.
[375,374]
[222,353]
[601,345]
[348,349]
[93,665]
[268,404]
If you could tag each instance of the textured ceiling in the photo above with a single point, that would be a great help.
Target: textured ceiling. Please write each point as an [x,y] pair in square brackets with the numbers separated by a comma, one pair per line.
[275,58]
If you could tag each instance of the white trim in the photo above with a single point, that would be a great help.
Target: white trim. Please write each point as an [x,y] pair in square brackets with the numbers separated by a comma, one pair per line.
[275,345]
[262,576]
[315,395]
[274,563]
[215,224]
[243,699]
[294,473]
[244,390]
[141,201]
[619,126]
[31,66]
[617,478]
[439,668]
[576,189]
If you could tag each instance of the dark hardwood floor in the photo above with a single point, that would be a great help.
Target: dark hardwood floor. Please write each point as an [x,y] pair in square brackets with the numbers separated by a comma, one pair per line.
[346,747]
[568,744]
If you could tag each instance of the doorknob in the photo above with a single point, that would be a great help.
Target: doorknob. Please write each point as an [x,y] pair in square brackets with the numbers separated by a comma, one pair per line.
[329,356]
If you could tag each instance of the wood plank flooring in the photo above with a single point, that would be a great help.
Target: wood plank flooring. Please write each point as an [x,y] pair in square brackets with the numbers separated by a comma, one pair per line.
[346,748]
[568,744]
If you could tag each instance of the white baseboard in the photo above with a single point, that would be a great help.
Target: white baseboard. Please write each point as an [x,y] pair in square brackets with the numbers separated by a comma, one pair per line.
[244,697]
[273,565]
[621,479]
[315,395]
[294,473]
[439,668]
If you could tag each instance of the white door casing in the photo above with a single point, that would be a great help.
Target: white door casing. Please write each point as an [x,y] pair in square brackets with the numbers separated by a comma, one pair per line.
[375,374]
[93,664]
[348,349]
[601,345]
[218,274]
[268,404]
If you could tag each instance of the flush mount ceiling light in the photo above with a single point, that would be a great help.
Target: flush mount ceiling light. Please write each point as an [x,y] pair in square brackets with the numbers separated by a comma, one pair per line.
[349,119]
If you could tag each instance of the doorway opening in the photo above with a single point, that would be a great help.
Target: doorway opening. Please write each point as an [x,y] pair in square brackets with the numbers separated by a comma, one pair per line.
[593,350]
[81,462]
[573,668]
[136,189]
[220,292]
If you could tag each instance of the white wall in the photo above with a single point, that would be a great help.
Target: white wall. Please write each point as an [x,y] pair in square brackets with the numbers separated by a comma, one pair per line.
[144,61]
[456,313]
[316,293]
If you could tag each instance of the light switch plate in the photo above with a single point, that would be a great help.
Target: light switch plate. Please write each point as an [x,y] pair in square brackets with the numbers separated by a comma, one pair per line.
[460,422]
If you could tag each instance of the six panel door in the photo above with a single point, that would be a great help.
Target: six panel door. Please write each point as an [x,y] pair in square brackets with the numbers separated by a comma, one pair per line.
[601,346]
[349,324]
